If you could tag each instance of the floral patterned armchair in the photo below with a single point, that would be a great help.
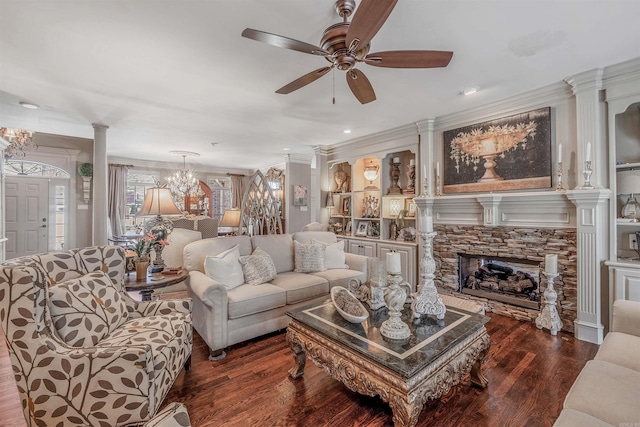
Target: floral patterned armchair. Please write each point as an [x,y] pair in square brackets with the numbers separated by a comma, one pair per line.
[83,352]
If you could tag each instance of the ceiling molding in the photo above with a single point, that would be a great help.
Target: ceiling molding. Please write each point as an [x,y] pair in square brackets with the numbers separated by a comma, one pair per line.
[538,98]
[156,165]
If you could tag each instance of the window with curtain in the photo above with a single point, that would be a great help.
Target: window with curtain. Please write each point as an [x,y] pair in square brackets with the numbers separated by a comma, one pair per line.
[138,183]
[221,195]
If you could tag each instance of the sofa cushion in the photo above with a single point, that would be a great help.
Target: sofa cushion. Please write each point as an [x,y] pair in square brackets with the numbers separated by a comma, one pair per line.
[300,286]
[87,309]
[573,418]
[621,349]
[340,277]
[225,268]
[309,257]
[62,265]
[248,299]
[279,247]
[606,391]
[195,253]
[178,239]
[258,268]
[334,256]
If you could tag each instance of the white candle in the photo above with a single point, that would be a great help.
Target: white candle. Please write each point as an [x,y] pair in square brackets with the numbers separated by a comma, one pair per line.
[560,153]
[438,169]
[588,151]
[429,225]
[393,262]
[396,160]
[412,162]
[551,263]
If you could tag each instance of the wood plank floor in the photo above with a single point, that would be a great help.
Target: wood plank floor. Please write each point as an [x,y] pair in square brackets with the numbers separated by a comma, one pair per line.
[529,373]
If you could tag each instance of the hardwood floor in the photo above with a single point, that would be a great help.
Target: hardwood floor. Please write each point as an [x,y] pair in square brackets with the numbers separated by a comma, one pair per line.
[529,372]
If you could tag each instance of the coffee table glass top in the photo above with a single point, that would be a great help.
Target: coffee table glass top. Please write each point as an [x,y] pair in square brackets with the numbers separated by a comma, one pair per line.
[430,338]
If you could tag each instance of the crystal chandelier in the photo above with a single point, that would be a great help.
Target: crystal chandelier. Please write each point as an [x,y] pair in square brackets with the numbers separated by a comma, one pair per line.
[183,183]
[19,141]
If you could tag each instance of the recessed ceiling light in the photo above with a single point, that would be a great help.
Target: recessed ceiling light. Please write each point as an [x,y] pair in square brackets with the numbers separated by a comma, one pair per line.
[346,131]
[286,149]
[29,105]
[469,90]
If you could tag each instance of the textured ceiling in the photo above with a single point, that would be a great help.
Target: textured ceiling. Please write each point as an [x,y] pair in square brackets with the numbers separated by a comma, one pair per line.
[177,75]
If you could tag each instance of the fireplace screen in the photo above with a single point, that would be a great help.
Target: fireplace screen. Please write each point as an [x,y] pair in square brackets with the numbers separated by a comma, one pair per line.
[509,280]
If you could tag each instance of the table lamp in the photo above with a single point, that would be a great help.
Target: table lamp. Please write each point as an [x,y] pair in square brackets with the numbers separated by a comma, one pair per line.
[157,202]
[231,218]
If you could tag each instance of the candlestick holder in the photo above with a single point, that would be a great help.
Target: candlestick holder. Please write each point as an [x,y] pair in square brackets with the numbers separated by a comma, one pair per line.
[427,300]
[426,191]
[587,175]
[438,193]
[548,317]
[395,296]
[559,186]
[394,188]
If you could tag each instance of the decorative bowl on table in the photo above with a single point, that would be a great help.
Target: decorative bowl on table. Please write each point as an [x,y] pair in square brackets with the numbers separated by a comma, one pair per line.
[348,305]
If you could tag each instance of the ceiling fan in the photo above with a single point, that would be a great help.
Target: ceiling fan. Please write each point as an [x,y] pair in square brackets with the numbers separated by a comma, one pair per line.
[347,43]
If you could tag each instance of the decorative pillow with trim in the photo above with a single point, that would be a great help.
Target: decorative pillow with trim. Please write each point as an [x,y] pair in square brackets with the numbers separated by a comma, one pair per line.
[334,255]
[225,268]
[309,257]
[87,309]
[258,268]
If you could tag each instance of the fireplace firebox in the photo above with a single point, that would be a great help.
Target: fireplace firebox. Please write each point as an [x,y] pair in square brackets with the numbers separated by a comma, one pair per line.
[508,280]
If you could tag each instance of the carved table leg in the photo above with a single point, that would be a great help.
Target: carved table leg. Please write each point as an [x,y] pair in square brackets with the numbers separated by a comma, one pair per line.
[300,358]
[405,413]
[477,377]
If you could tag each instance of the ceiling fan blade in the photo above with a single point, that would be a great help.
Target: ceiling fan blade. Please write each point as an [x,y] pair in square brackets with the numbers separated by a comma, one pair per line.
[368,19]
[304,80]
[409,59]
[360,86]
[285,42]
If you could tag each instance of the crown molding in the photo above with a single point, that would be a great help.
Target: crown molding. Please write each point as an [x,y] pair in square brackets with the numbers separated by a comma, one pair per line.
[542,97]
[157,165]
[376,138]
[305,159]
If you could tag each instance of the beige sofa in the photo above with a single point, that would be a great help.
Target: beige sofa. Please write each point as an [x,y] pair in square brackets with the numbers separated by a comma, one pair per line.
[224,316]
[606,393]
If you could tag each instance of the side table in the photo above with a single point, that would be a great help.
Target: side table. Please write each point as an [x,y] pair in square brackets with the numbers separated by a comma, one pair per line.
[147,286]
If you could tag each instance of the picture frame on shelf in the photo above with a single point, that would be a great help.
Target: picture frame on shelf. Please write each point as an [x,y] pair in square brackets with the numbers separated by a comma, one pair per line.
[410,206]
[361,230]
[345,205]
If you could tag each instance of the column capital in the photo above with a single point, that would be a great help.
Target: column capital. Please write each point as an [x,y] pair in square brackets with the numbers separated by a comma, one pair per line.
[98,127]
[587,81]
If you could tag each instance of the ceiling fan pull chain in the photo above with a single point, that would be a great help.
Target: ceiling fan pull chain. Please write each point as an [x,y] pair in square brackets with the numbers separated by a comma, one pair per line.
[333,73]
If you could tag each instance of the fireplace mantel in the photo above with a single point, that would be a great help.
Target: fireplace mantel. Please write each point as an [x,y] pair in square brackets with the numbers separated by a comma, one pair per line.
[581,209]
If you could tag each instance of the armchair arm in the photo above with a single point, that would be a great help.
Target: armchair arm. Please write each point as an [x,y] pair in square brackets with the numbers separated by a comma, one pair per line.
[210,308]
[356,262]
[626,317]
[154,308]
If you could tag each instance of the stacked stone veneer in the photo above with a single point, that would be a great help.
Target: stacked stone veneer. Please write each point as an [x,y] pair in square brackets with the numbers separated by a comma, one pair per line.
[522,243]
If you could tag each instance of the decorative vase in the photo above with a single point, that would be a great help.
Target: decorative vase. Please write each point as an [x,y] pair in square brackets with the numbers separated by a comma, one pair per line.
[141,269]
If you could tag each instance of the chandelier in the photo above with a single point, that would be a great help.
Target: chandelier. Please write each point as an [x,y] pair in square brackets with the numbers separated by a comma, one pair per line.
[19,140]
[183,183]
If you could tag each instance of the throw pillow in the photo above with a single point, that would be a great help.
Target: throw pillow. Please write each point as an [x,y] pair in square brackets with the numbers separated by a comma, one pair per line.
[309,257]
[258,268]
[334,256]
[87,309]
[225,268]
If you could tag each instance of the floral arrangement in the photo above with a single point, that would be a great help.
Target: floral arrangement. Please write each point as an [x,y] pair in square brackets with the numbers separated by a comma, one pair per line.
[143,247]
[468,147]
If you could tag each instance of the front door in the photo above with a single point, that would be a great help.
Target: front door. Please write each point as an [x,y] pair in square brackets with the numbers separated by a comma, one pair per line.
[26,216]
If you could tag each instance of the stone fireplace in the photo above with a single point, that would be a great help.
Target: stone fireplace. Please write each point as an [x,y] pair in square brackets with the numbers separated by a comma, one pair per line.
[511,260]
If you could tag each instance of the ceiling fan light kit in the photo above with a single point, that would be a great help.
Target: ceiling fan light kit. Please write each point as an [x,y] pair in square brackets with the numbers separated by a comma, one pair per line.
[346,44]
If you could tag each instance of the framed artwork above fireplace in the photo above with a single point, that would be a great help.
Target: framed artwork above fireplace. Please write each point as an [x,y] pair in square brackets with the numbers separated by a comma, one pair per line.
[510,153]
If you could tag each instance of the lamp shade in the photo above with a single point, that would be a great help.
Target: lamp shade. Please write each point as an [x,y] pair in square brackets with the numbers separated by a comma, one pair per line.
[628,182]
[231,218]
[158,201]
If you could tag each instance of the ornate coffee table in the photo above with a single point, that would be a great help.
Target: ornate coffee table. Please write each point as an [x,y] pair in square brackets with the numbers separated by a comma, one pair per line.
[405,374]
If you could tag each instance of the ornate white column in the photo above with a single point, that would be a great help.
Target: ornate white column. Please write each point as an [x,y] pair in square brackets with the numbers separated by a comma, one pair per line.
[100,184]
[322,183]
[592,243]
[590,125]
[3,144]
